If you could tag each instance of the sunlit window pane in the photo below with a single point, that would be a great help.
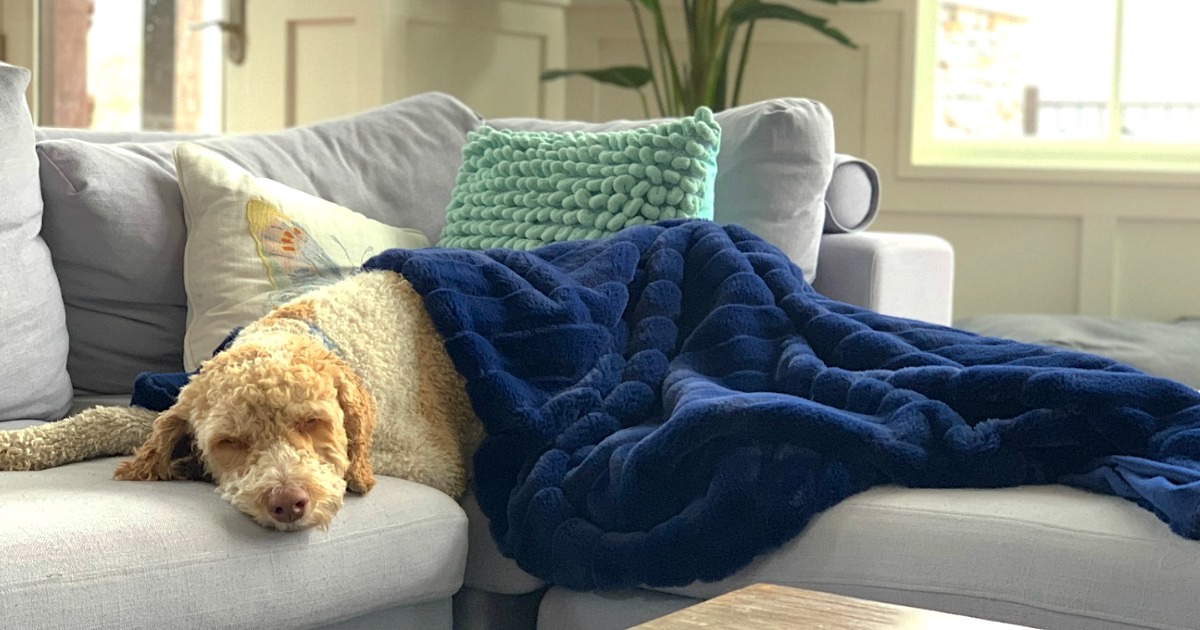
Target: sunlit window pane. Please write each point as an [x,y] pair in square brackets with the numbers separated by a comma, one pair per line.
[114,67]
[127,65]
[1024,68]
[980,75]
[1160,71]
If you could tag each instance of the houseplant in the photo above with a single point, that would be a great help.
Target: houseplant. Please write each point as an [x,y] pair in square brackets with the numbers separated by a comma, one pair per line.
[700,75]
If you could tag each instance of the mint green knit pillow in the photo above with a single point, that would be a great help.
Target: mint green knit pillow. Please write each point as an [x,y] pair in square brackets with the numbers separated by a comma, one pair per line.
[525,189]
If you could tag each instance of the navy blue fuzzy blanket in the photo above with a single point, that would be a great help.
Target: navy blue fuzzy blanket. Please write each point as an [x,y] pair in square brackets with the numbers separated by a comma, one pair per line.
[666,404]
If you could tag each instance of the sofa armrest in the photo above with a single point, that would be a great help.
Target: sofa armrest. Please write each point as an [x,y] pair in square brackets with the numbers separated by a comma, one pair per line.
[906,275]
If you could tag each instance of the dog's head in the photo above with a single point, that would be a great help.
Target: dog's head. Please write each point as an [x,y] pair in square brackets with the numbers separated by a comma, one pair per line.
[283,426]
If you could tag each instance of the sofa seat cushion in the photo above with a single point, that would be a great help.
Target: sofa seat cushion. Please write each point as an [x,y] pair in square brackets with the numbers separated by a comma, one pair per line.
[13,425]
[1043,556]
[80,550]
[1158,348]
[487,569]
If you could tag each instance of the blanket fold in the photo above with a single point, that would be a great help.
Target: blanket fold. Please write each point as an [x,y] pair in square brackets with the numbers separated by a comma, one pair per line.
[666,404]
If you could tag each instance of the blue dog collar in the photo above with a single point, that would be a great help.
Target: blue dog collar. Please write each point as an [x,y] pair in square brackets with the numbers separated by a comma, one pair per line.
[313,330]
[320,334]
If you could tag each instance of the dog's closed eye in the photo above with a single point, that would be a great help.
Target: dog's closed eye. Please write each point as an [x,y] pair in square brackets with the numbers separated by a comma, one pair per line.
[229,453]
[311,424]
[227,443]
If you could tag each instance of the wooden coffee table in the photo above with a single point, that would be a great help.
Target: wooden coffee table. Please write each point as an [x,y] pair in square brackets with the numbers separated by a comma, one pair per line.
[770,606]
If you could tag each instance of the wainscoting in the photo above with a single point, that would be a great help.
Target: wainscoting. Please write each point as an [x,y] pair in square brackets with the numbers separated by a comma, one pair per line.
[312,60]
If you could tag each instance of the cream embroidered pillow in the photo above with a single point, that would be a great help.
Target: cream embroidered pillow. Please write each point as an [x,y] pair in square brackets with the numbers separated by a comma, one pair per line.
[253,243]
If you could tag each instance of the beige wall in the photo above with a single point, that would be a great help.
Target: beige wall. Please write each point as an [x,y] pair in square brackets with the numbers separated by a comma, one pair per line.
[311,60]
[1099,244]
[16,23]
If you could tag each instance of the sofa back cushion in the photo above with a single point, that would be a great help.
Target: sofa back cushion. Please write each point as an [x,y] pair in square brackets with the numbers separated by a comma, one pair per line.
[118,251]
[114,217]
[33,336]
[775,163]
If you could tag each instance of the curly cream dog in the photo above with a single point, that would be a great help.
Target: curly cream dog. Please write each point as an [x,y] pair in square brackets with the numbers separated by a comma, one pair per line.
[313,399]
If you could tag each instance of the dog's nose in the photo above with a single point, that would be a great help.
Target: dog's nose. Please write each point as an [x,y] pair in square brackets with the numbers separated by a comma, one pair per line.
[288,505]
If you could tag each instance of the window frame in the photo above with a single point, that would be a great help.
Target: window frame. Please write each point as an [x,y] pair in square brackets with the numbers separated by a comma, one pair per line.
[1073,159]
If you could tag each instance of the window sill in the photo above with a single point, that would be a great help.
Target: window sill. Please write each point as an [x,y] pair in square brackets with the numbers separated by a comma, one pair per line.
[1158,165]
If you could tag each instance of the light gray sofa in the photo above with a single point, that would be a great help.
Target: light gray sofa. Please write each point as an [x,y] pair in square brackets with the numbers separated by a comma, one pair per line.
[91,284]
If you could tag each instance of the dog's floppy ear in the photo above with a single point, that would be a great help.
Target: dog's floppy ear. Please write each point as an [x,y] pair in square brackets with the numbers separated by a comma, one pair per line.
[170,440]
[358,411]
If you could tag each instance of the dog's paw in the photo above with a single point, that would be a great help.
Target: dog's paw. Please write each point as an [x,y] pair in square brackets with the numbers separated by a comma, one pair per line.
[360,483]
[137,470]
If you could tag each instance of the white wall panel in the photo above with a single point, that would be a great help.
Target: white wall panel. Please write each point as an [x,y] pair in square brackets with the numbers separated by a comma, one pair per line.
[1028,263]
[1156,269]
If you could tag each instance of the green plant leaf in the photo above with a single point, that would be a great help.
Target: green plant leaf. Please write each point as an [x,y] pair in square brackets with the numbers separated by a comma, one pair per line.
[623,76]
[750,12]
[655,72]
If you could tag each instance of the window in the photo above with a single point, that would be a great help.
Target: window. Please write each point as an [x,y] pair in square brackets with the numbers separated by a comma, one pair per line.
[1062,83]
[125,65]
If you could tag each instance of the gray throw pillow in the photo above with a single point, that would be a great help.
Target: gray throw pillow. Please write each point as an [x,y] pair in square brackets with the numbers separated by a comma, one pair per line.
[852,200]
[114,223]
[775,163]
[33,338]
[114,217]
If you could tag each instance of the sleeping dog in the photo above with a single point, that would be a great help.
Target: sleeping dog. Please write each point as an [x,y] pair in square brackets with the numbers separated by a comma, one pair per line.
[342,383]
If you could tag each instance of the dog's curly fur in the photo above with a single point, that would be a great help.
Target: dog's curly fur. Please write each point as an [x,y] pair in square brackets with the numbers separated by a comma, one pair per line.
[96,432]
[313,399]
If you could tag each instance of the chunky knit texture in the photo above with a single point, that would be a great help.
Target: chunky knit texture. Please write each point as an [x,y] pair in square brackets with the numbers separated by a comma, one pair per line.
[525,189]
